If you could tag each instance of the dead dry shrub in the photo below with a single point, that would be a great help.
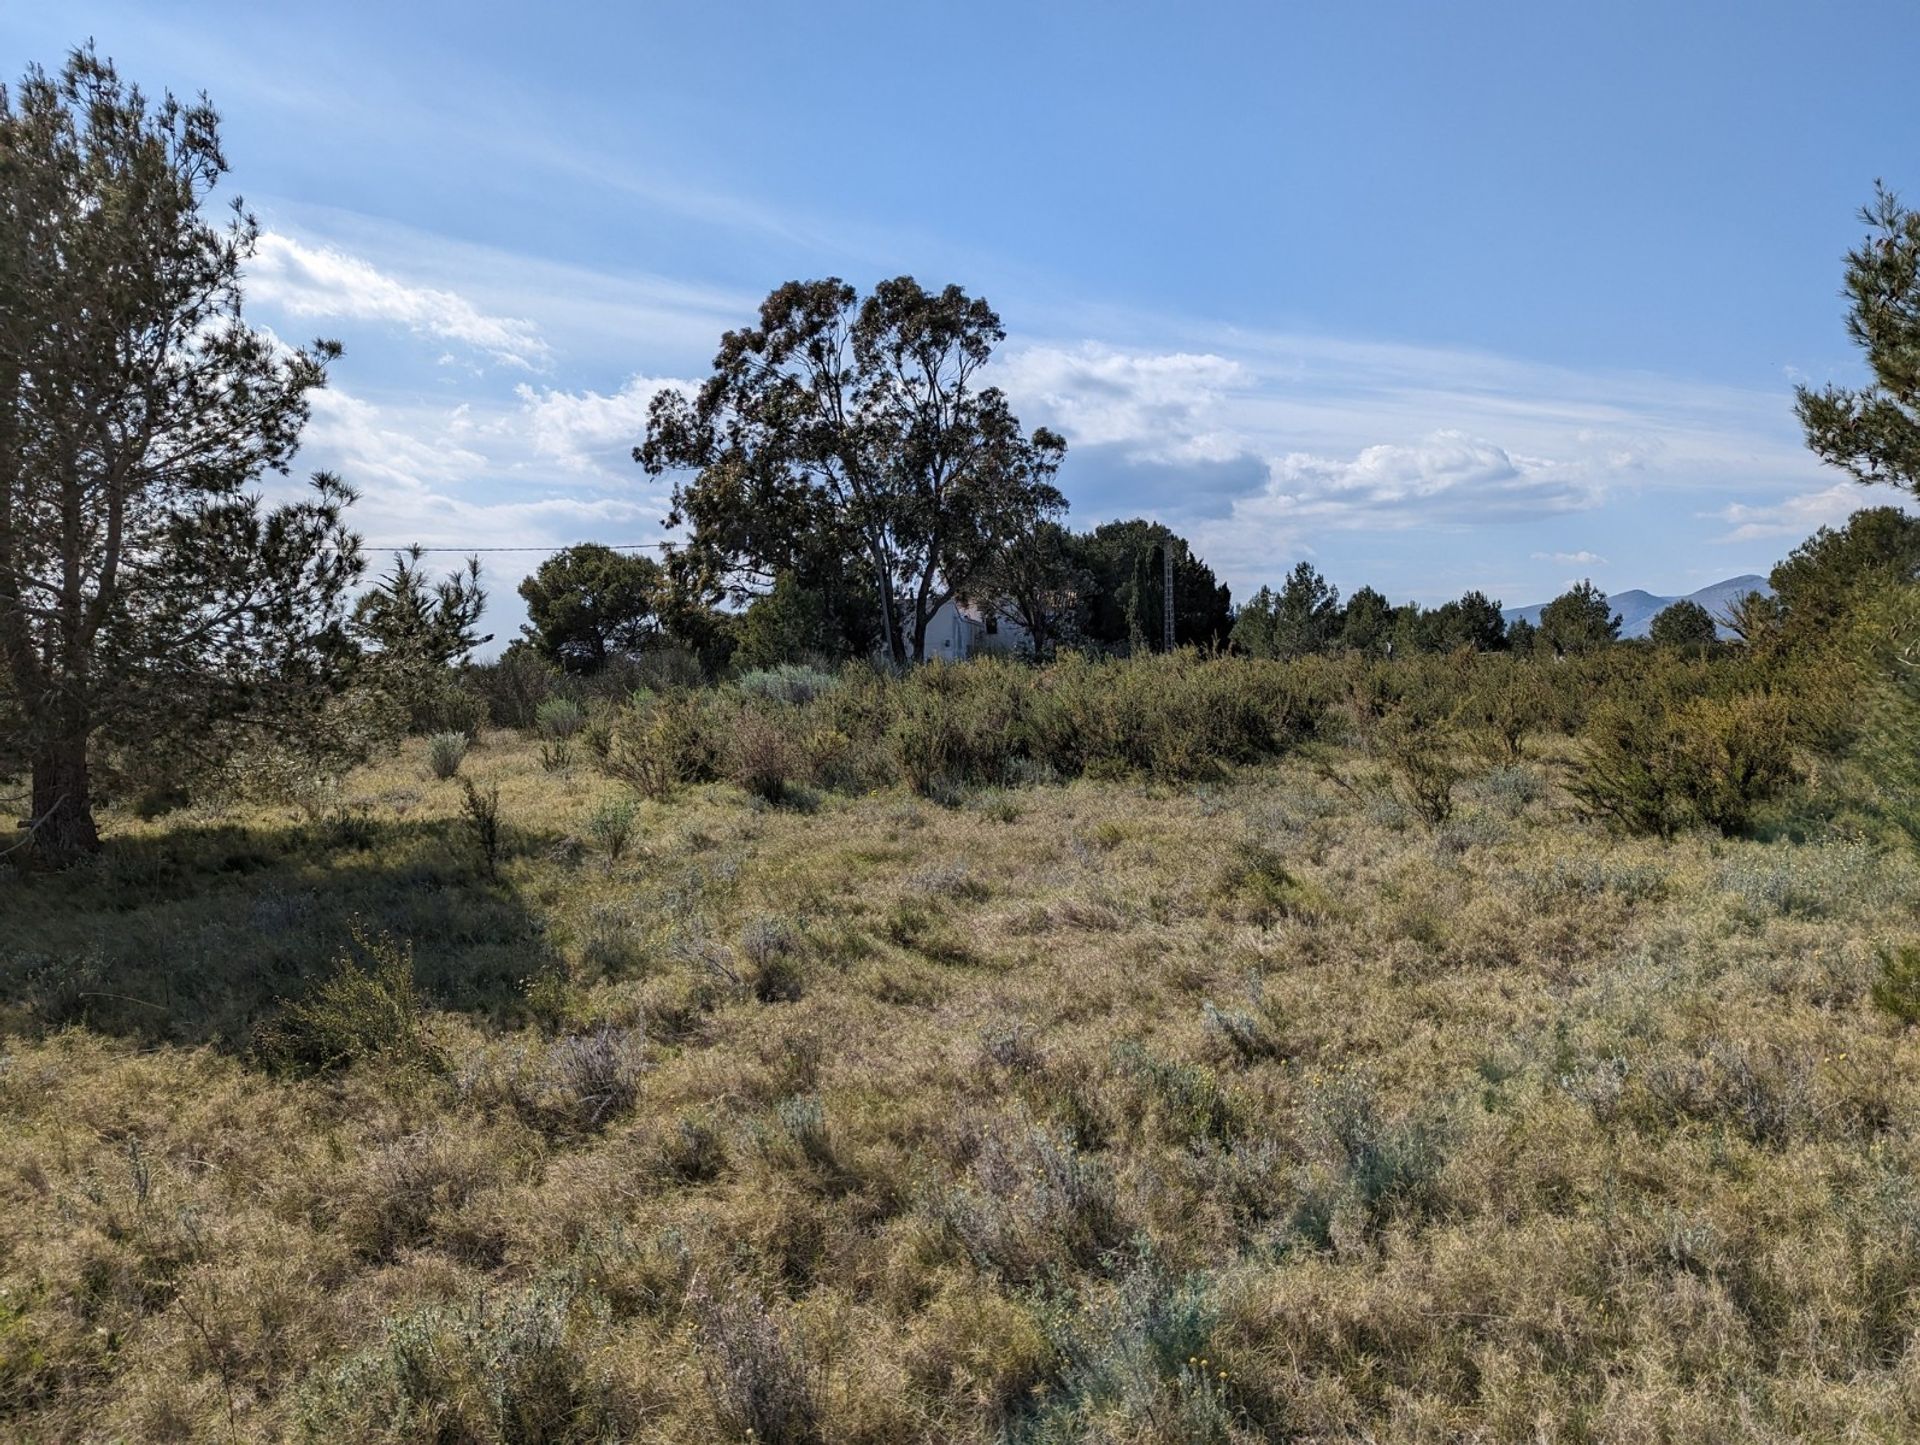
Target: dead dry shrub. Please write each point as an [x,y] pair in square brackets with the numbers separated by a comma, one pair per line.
[759,1370]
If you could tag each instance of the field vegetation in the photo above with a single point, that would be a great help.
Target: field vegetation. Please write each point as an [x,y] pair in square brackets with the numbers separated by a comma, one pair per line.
[710,1020]
[1169,1049]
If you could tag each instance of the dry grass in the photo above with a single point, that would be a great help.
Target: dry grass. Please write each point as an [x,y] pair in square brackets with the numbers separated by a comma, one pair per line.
[1105,1112]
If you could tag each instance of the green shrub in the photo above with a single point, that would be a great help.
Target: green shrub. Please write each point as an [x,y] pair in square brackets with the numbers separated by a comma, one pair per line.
[1896,991]
[611,827]
[510,1368]
[447,706]
[445,753]
[1417,757]
[1507,700]
[370,1008]
[634,757]
[1650,766]
[559,717]
[514,686]
[790,683]
[1256,880]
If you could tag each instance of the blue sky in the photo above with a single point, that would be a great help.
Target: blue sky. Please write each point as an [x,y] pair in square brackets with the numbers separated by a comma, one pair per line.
[1438,296]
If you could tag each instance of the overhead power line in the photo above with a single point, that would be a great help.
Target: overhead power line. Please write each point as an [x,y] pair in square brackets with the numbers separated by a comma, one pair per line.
[408,547]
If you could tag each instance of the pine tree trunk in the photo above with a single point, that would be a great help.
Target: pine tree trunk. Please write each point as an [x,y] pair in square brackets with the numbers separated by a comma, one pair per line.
[62,818]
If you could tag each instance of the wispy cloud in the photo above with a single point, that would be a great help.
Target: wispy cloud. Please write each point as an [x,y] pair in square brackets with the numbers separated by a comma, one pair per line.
[586,430]
[468,476]
[319,281]
[1800,514]
[1582,558]
[1447,476]
[1161,407]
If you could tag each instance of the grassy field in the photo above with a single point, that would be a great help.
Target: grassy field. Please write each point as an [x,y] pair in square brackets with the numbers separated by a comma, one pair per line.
[1105,1111]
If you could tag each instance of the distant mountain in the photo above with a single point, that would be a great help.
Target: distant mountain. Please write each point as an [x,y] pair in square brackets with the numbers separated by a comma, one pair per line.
[1637,609]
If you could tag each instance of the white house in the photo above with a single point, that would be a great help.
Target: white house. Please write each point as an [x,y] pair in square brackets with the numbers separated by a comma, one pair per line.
[958,630]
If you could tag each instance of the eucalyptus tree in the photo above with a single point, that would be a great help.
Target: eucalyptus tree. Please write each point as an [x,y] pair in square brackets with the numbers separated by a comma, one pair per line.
[150,599]
[850,428]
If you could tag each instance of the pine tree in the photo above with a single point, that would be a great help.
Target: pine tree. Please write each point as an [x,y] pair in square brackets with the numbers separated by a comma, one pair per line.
[148,598]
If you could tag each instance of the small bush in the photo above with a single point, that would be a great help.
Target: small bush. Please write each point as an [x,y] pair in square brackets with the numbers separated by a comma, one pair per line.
[763,1385]
[504,1369]
[445,753]
[791,683]
[1896,991]
[1257,883]
[587,1079]
[763,759]
[1511,789]
[514,686]
[1035,1203]
[559,718]
[369,1009]
[480,811]
[772,949]
[1424,775]
[635,757]
[1246,1035]
[1184,1098]
[611,827]
[1507,700]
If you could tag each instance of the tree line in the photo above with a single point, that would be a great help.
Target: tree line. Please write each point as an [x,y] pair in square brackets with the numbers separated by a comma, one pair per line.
[1100,590]
[843,473]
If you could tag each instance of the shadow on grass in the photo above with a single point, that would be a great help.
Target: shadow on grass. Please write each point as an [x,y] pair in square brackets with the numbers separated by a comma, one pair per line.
[200,935]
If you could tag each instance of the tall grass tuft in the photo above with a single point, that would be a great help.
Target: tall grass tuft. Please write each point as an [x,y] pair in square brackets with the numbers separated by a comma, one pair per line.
[445,753]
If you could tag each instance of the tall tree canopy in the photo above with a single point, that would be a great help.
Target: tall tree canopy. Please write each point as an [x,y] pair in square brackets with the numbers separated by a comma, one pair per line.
[410,630]
[1874,431]
[406,617]
[589,604]
[1302,617]
[1123,604]
[148,597]
[1367,624]
[1683,624]
[852,428]
[1038,582]
[1473,621]
[1580,619]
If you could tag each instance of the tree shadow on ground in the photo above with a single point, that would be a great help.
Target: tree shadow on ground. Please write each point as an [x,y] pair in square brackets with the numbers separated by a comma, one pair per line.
[199,935]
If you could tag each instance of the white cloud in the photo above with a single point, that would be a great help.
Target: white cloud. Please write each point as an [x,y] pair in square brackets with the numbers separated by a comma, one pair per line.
[1582,558]
[305,280]
[1797,516]
[374,449]
[1165,407]
[578,429]
[1449,475]
[466,477]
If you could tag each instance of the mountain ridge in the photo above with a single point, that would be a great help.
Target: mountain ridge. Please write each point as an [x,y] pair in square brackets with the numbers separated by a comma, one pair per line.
[1637,607]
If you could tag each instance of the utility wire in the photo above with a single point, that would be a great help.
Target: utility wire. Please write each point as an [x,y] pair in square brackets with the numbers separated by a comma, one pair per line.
[409,547]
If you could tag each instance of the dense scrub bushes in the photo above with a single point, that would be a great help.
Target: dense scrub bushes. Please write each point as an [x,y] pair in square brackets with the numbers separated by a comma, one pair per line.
[990,722]
[1666,742]
[1650,766]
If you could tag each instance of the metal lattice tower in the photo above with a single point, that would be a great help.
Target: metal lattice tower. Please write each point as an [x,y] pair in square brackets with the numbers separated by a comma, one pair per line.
[1166,589]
